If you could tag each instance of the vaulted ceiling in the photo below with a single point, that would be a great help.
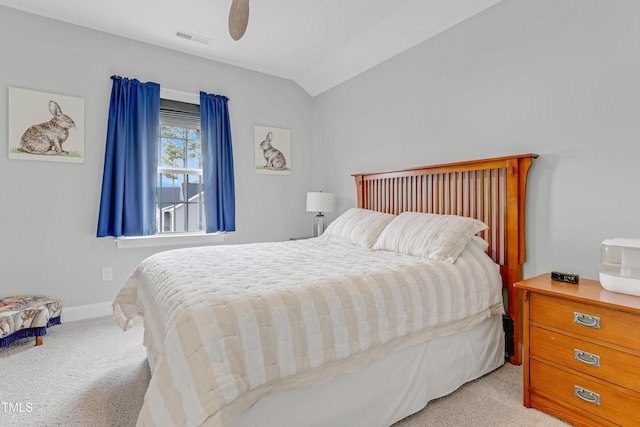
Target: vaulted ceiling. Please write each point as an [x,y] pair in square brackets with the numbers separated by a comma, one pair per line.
[316,43]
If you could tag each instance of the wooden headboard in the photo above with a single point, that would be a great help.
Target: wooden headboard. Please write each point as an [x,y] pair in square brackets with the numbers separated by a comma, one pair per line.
[491,190]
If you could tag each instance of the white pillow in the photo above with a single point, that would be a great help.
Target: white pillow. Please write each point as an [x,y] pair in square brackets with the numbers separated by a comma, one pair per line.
[480,243]
[361,227]
[432,236]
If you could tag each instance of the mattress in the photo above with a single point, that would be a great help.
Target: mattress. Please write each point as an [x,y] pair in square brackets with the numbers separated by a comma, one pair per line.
[226,326]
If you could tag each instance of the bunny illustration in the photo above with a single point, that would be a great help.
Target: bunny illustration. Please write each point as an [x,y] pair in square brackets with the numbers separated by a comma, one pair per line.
[47,138]
[275,158]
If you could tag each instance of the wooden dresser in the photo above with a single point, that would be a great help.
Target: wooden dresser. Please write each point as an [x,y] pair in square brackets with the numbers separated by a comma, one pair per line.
[581,352]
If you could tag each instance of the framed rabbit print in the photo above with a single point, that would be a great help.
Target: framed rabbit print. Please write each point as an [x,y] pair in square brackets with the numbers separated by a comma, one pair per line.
[272,150]
[45,126]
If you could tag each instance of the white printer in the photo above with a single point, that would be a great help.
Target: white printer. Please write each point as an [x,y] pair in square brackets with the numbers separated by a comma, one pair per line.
[620,265]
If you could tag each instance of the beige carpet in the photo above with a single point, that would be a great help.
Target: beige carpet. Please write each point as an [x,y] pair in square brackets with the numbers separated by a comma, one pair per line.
[91,374]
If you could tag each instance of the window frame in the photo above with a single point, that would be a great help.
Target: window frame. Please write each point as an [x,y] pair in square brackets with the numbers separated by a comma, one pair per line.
[183,174]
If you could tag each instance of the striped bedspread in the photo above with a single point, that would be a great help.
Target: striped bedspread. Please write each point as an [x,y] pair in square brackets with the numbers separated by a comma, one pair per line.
[226,325]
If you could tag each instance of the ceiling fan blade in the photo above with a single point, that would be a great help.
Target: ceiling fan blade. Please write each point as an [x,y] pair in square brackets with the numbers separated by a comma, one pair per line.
[238,18]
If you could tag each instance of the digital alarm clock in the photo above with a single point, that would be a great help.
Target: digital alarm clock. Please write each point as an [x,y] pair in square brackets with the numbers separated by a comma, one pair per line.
[565,277]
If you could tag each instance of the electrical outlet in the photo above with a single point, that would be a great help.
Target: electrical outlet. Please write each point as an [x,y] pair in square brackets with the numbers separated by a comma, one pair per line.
[107,274]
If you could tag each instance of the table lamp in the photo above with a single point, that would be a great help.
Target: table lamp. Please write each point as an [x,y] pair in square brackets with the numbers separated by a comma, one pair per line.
[319,202]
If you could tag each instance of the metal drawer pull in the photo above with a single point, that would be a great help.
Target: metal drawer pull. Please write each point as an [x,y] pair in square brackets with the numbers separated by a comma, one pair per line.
[588,358]
[587,395]
[586,320]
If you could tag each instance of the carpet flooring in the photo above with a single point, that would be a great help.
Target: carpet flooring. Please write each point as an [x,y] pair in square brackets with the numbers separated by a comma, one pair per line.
[91,374]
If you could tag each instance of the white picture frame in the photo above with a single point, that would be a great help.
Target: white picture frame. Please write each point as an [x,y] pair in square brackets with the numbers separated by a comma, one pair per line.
[272,150]
[45,126]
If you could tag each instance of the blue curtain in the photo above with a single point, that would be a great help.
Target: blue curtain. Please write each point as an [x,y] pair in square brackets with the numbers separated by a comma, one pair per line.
[127,203]
[217,163]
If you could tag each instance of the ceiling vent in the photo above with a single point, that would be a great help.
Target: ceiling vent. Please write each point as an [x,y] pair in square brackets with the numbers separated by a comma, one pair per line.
[188,36]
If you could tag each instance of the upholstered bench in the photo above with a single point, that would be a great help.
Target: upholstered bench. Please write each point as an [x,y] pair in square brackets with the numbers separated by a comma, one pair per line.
[27,316]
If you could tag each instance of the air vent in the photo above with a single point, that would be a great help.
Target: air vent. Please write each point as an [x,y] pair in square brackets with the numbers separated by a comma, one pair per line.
[188,36]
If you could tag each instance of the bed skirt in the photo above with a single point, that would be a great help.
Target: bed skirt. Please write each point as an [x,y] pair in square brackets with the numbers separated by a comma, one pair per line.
[389,389]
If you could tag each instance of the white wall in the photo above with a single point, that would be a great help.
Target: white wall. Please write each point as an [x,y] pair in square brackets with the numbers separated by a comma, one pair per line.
[49,211]
[554,77]
[559,78]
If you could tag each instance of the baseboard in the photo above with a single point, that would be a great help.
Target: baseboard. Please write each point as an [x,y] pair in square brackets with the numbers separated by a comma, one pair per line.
[88,311]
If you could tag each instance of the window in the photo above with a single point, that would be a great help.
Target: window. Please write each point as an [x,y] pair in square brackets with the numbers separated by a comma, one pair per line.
[180,190]
[130,208]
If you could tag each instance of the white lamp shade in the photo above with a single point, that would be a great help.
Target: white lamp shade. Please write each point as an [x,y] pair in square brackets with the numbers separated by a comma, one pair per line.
[319,202]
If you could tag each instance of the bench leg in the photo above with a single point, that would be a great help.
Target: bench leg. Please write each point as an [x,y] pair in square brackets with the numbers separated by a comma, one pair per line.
[39,340]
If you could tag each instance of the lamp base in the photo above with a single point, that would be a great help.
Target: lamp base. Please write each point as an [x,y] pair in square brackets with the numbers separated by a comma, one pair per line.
[319,224]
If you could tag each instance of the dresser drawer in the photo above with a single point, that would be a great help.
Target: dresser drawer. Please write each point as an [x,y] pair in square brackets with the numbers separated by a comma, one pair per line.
[563,385]
[605,363]
[607,325]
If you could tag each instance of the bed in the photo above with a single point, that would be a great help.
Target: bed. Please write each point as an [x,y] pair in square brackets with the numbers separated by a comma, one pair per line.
[395,305]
